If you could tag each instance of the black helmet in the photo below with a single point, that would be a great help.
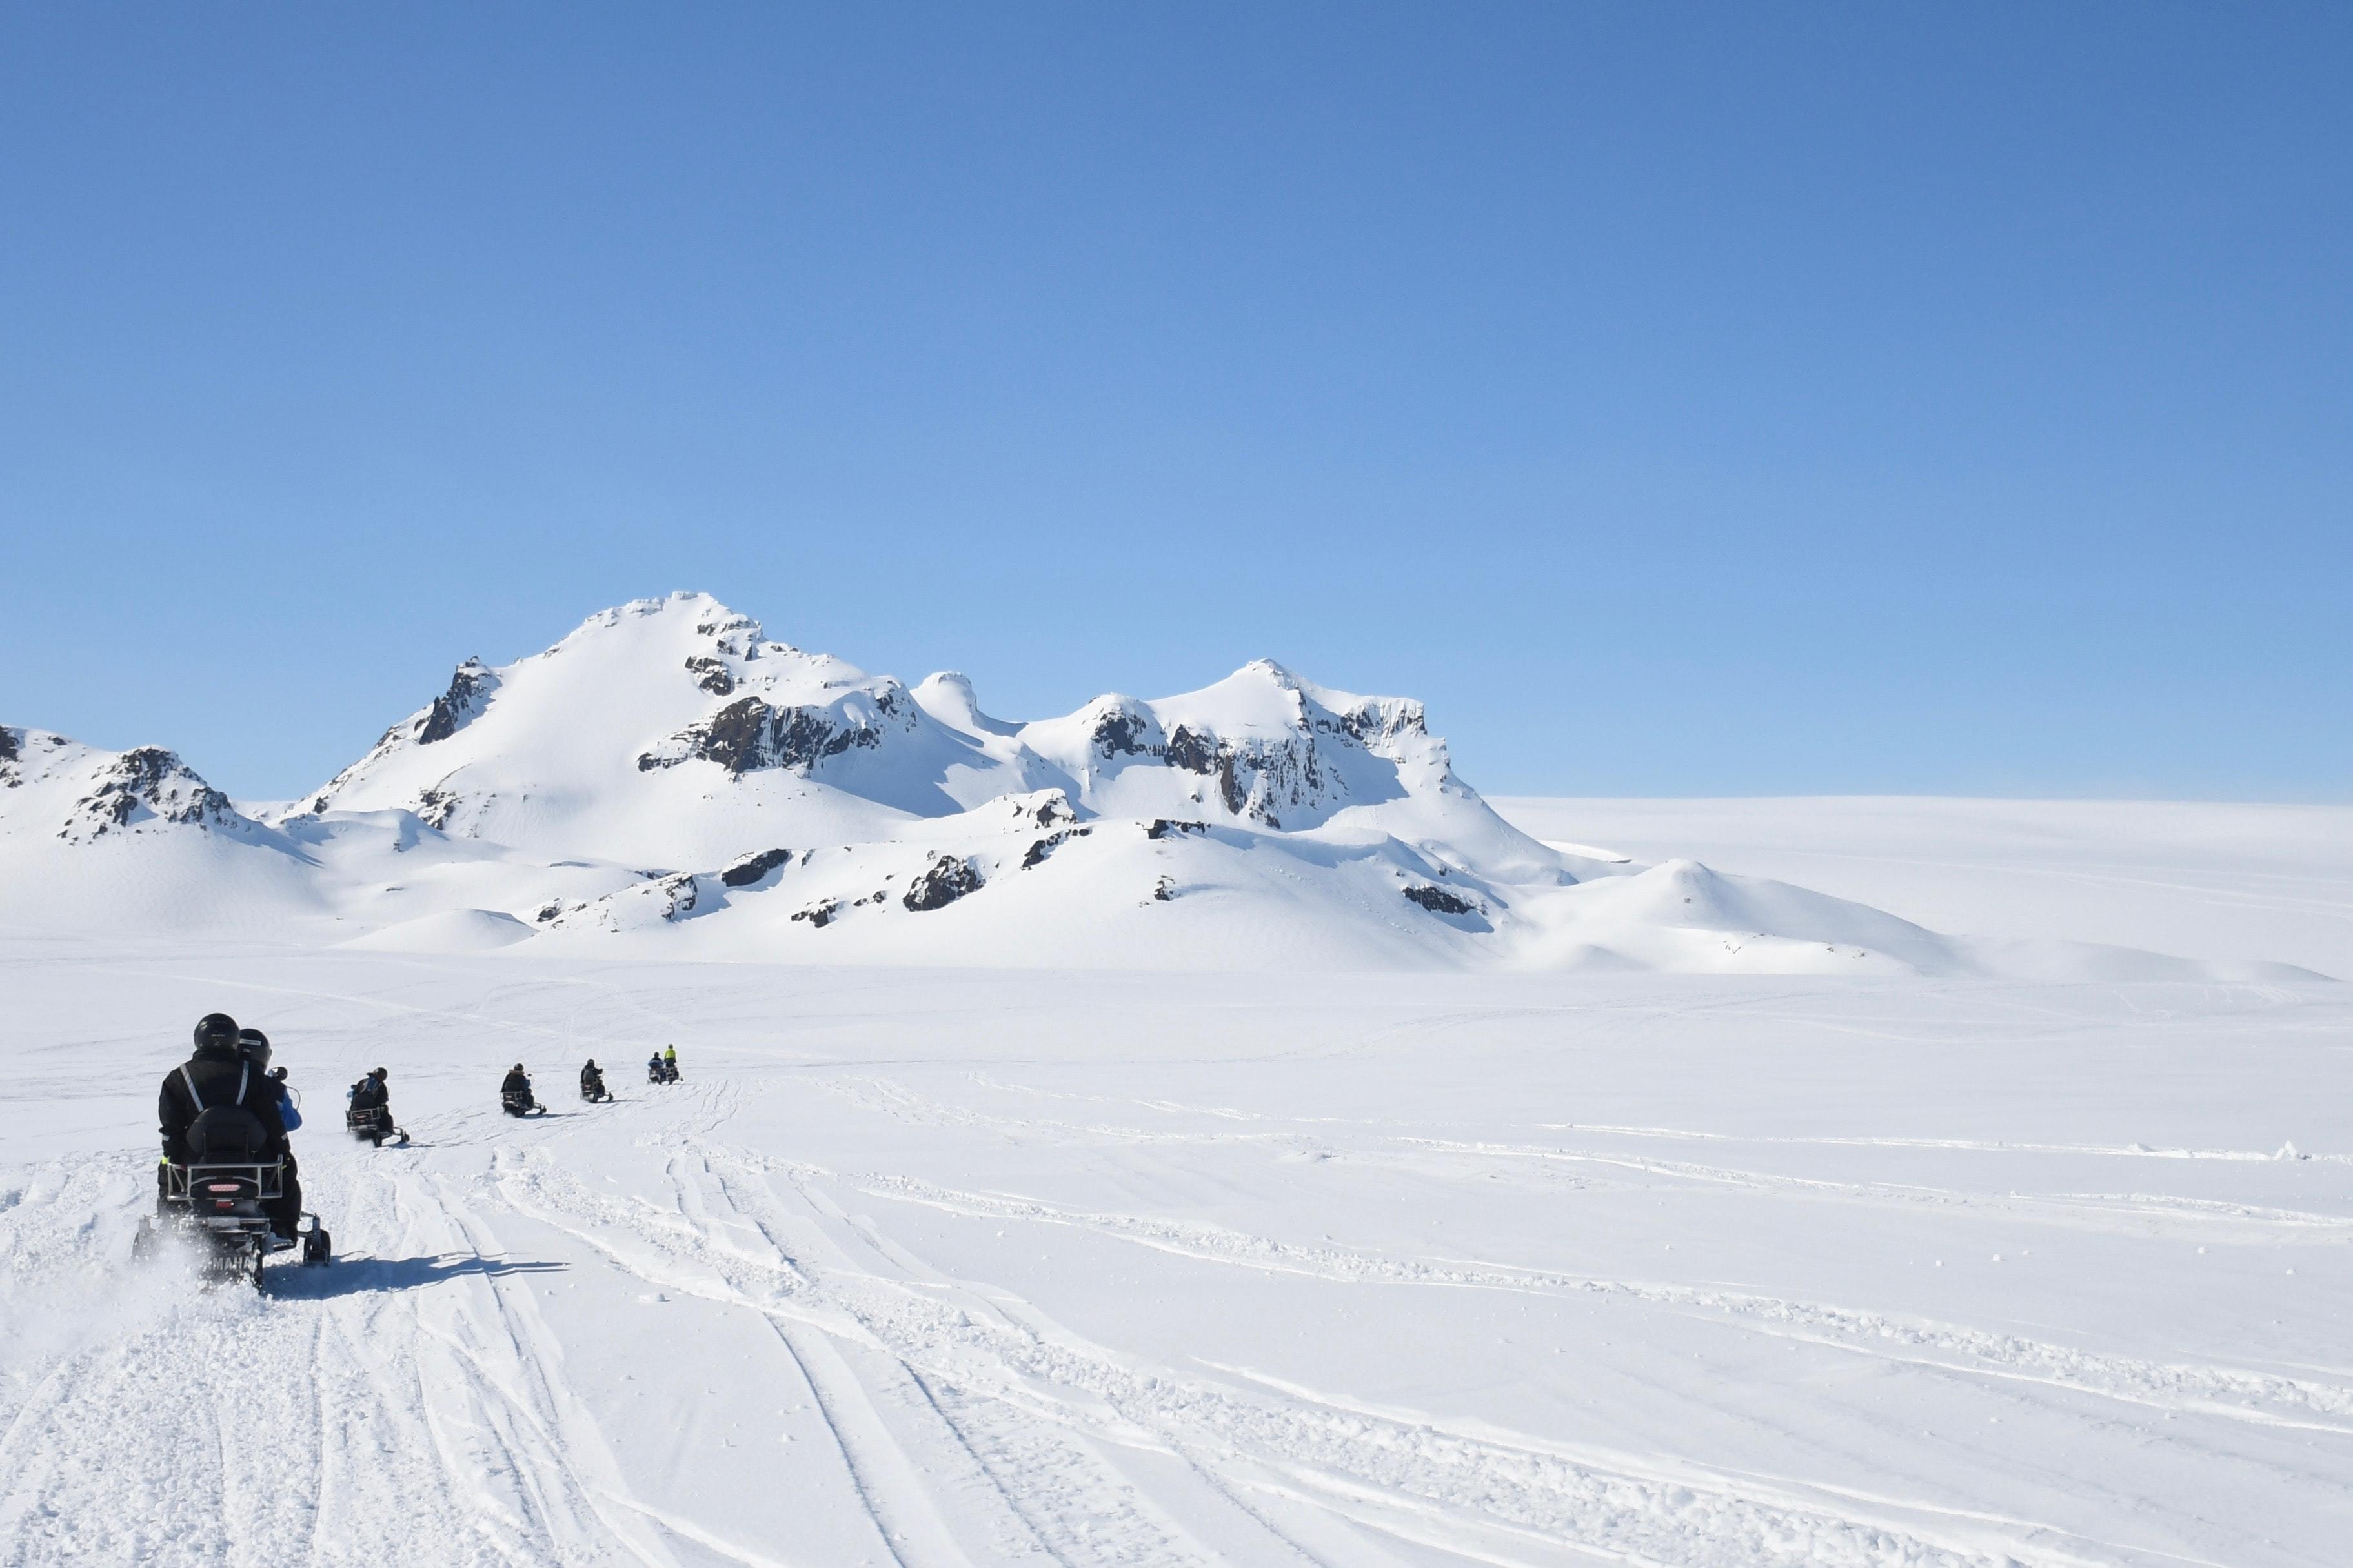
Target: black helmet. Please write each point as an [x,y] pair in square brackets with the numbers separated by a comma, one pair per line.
[592,1061]
[518,1067]
[254,1046]
[216,1032]
[379,1073]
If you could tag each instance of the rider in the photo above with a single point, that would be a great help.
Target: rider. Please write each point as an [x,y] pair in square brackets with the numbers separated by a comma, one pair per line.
[517,1082]
[370,1093]
[592,1077]
[217,1074]
[654,1067]
[670,1063]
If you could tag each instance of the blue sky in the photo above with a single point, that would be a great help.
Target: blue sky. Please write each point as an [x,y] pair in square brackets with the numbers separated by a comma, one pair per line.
[1680,400]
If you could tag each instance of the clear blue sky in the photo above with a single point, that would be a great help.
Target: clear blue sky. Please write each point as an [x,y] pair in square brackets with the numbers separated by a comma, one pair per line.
[1681,400]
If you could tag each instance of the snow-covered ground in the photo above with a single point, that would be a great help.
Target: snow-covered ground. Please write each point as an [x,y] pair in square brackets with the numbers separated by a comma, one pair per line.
[2228,882]
[982,1266]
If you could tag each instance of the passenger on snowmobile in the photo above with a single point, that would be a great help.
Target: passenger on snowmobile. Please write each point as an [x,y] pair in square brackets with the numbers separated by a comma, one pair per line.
[670,1063]
[218,1079]
[254,1046]
[592,1081]
[515,1094]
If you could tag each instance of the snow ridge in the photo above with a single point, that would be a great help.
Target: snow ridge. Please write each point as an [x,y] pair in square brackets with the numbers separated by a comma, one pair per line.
[640,779]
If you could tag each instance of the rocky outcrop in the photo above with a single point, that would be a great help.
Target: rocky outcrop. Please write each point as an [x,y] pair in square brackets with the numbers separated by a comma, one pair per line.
[1195,753]
[712,673]
[147,784]
[819,914]
[470,692]
[1048,844]
[1122,727]
[679,894]
[1439,901]
[435,806]
[946,879]
[749,734]
[754,867]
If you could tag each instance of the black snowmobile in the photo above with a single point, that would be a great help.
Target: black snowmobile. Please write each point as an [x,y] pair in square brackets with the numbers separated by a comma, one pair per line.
[515,1097]
[660,1069]
[375,1126]
[592,1084]
[219,1196]
[370,1116]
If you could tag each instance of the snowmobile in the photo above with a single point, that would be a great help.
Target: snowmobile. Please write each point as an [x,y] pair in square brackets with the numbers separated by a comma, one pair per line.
[219,1196]
[591,1087]
[370,1116]
[374,1122]
[518,1102]
[661,1071]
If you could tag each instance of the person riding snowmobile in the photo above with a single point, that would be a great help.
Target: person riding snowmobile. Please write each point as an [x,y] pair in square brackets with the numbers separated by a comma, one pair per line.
[218,1075]
[371,1092]
[592,1081]
[670,1063]
[515,1094]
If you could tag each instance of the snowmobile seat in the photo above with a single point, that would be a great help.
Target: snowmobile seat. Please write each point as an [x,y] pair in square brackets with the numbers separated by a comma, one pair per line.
[227,1134]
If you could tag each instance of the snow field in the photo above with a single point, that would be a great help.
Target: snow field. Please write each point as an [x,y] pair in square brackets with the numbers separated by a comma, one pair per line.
[980,1267]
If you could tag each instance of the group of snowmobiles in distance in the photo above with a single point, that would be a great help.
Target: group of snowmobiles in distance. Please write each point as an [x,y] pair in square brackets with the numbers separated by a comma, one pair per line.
[515,1097]
[228,1176]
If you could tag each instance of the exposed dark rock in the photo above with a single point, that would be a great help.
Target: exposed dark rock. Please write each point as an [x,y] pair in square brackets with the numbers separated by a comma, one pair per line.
[1439,901]
[469,694]
[157,779]
[1121,730]
[712,673]
[1164,890]
[683,893]
[820,913]
[948,879]
[1054,808]
[1164,826]
[434,806]
[8,752]
[1194,753]
[547,913]
[753,867]
[748,734]
[1051,842]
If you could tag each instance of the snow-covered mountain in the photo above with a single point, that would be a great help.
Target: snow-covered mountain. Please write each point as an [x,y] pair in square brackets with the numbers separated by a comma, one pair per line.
[84,794]
[668,778]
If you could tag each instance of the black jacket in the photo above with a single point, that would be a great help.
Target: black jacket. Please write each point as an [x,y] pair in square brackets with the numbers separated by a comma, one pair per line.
[516,1083]
[216,1074]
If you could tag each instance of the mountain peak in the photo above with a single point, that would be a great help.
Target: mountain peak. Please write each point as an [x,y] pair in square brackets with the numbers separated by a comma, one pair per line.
[947,696]
[82,794]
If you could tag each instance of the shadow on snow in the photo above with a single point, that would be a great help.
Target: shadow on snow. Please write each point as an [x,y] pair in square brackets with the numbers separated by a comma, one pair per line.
[349,1277]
